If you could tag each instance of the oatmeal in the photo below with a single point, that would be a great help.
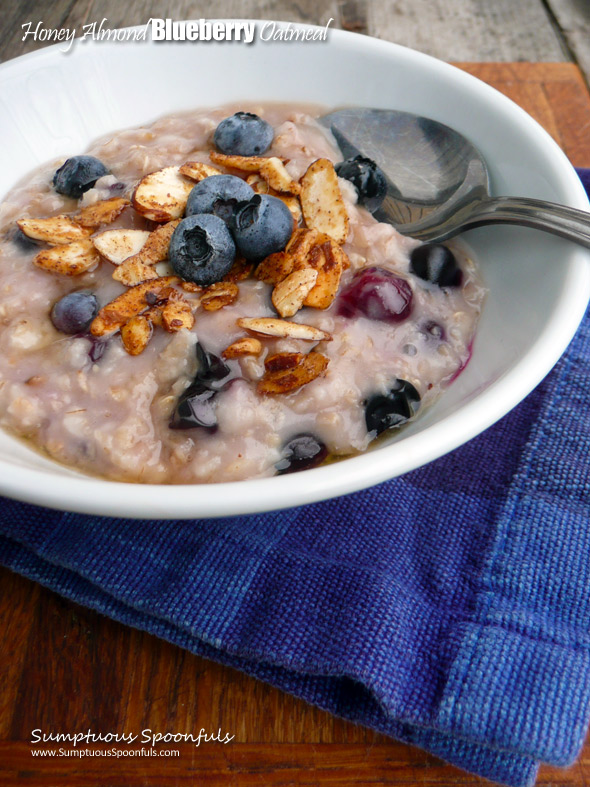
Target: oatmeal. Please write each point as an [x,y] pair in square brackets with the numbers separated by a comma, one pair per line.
[211,299]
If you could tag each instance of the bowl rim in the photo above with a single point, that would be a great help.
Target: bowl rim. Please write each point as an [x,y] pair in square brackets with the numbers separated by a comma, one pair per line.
[93,495]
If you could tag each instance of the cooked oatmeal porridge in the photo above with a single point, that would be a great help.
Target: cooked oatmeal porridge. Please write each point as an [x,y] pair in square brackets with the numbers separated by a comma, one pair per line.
[211,299]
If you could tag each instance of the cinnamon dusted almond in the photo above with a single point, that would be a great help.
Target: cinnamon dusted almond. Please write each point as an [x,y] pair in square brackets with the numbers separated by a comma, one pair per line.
[162,195]
[118,245]
[271,326]
[155,249]
[136,333]
[289,294]
[177,315]
[321,200]
[190,286]
[56,230]
[281,361]
[327,258]
[218,295]
[103,212]
[275,174]
[241,269]
[260,186]
[282,381]
[131,302]
[246,346]
[197,171]
[69,260]
[243,163]
[274,268]
[133,271]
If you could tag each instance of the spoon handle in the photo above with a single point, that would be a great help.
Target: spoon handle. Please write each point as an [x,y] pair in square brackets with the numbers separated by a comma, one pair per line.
[558,219]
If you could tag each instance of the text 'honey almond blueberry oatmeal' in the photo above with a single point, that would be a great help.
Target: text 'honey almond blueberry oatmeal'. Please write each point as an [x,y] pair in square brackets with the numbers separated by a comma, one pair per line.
[211,299]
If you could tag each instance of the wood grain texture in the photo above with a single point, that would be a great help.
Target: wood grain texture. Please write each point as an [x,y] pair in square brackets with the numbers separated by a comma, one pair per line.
[66,668]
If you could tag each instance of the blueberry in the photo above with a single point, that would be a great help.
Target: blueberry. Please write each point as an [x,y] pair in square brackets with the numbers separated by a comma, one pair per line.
[195,407]
[437,264]
[301,453]
[377,294]
[368,180]
[387,411]
[77,175]
[202,249]
[243,134]
[262,226]
[22,241]
[218,194]
[211,370]
[74,312]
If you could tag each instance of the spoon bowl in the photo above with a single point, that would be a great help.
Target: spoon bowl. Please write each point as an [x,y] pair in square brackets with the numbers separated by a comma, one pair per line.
[438,182]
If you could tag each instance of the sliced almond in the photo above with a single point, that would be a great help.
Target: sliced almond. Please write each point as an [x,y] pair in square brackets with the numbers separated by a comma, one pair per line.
[246,346]
[218,295]
[56,230]
[162,195]
[321,200]
[294,206]
[281,361]
[131,302]
[154,315]
[196,170]
[275,174]
[136,333]
[69,260]
[327,258]
[243,163]
[177,315]
[133,271]
[190,286]
[272,326]
[260,186]
[118,245]
[103,212]
[240,270]
[258,183]
[155,249]
[312,366]
[289,294]
[274,268]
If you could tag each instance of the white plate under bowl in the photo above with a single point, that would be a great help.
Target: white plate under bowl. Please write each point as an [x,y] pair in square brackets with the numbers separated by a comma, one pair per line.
[56,104]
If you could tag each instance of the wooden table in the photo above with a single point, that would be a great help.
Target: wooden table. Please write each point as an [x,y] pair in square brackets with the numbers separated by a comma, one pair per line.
[65,668]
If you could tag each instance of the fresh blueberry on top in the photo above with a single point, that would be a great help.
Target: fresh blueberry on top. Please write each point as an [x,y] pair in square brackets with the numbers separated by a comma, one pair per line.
[218,194]
[74,312]
[436,264]
[387,411]
[243,134]
[202,249]
[302,452]
[262,226]
[377,294]
[367,178]
[77,175]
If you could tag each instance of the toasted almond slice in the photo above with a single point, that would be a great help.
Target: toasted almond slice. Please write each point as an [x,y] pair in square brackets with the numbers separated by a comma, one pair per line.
[103,212]
[69,260]
[136,333]
[218,295]
[131,302]
[154,315]
[196,170]
[177,315]
[155,249]
[118,245]
[162,195]
[190,286]
[321,200]
[56,230]
[133,271]
[312,366]
[289,294]
[281,361]
[243,163]
[274,268]
[258,183]
[240,270]
[272,326]
[246,346]
[327,259]
[294,206]
[275,174]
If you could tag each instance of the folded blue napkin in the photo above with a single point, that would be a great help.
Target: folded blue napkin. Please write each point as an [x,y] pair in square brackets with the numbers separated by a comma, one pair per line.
[448,608]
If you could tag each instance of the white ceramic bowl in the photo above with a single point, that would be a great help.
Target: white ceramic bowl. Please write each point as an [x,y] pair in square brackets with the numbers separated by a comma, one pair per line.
[53,104]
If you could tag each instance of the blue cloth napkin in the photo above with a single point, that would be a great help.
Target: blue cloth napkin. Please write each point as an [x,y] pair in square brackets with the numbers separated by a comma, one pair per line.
[448,608]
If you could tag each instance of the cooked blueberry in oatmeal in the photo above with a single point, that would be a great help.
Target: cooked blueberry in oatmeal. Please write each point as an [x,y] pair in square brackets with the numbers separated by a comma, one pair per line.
[212,302]
[367,178]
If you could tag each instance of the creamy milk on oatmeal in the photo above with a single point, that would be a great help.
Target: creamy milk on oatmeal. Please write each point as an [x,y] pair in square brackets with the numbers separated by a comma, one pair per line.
[161,322]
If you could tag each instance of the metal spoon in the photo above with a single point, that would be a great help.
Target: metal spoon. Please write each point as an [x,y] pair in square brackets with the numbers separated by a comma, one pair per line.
[438,182]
